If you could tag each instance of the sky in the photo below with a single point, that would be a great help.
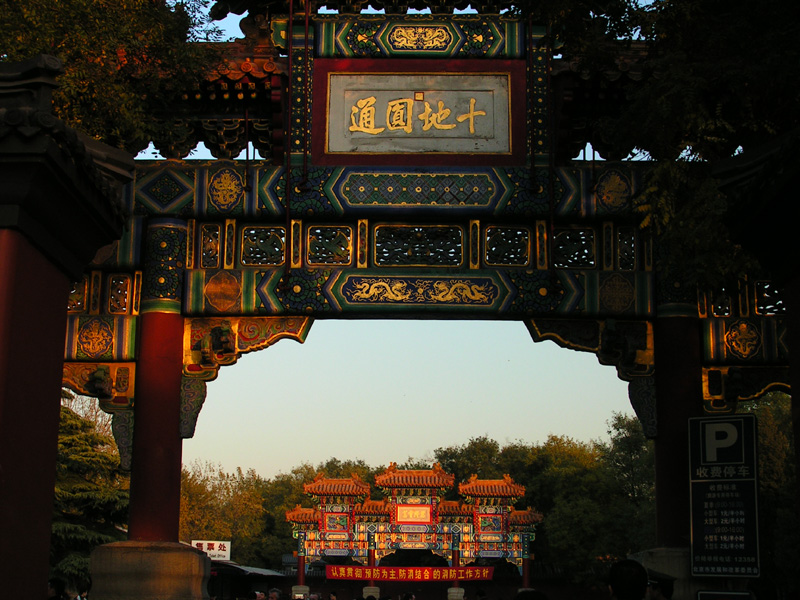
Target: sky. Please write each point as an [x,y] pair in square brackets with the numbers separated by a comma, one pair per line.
[384,391]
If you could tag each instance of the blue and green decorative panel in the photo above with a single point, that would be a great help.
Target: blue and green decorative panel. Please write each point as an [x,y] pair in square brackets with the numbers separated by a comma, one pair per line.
[166,190]
[619,294]
[301,291]
[295,291]
[164,250]
[270,188]
[543,292]
[604,191]
[410,190]
[528,192]
[420,36]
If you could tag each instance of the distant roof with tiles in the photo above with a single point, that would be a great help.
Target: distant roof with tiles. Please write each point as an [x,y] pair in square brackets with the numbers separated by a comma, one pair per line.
[454,508]
[521,518]
[324,486]
[435,478]
[491,488]
[302,515]
[373,508]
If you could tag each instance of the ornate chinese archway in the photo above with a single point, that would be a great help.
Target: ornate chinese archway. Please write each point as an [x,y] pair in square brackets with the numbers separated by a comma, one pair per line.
[413,515]
[412,167]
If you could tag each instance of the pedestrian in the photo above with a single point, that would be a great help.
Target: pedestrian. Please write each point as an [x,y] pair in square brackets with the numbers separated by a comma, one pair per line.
[627,580]
[56,589]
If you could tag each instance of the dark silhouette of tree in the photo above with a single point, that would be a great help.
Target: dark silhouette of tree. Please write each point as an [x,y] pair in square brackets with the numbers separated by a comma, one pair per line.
[91,497]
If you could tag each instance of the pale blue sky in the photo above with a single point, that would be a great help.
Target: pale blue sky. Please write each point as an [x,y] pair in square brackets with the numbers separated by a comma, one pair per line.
[384,391]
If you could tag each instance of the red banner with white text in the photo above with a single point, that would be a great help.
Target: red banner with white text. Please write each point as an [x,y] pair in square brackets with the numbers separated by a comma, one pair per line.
[409,573]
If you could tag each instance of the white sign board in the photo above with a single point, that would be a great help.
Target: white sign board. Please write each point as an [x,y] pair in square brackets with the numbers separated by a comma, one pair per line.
[216,550]
[430,112]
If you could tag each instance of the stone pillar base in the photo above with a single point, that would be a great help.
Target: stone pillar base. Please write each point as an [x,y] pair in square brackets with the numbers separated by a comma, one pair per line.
[455,593]
[300,591]
[371,590]
[149,571]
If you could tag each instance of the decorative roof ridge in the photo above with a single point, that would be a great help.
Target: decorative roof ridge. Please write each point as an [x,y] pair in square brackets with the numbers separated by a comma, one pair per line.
[300,514]
[370,506]
[242,59]
[433,478]
[342,486]
[525,517]
[491,488]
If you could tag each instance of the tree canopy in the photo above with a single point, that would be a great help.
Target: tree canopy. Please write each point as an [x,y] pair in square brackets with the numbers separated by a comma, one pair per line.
[715,79]
[91,497]
[125,61]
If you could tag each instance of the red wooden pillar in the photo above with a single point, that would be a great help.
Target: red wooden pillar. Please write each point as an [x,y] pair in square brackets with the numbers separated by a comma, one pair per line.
[33,311]
[371,562]
[526,560]
[526,572]
[301,569]
[456,562]
[679,396]
[156,468]
[56,211]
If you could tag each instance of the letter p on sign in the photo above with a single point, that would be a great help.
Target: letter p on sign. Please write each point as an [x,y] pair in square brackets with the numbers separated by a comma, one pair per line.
[722,441]
[718,437]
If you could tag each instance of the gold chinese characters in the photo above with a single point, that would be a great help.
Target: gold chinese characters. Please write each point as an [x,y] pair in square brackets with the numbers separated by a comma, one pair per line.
[400,116]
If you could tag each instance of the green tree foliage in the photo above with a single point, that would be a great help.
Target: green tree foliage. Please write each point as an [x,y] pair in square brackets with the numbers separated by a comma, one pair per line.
[125,61]
[589,493]
[251,511]
[718,77]
[478,457]
[779,525]
[222,506]
[91,497]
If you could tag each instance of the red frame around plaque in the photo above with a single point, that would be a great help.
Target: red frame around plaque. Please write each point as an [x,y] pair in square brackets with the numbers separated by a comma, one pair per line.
[323,67]
[403,508]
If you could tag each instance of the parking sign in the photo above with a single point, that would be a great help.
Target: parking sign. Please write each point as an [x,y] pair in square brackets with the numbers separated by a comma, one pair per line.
[724,499]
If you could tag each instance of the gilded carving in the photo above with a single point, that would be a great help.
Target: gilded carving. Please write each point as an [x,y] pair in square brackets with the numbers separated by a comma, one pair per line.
[381,291]
[616,293]
[95,338]
[222,291]
[743,339]
[225,189]
[420,291]
[613,190]
[460,292]
[119,290]
[77,296]
[420,38]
